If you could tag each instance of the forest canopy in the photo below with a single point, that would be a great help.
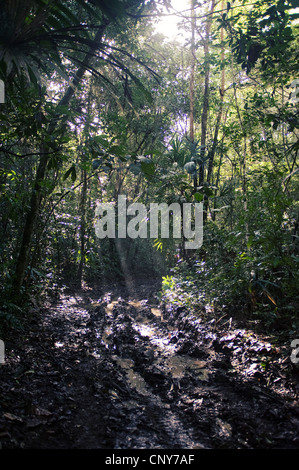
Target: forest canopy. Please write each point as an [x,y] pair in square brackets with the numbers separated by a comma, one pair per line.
[98,104]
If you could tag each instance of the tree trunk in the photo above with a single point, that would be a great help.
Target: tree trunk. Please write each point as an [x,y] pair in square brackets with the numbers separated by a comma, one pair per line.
[204,115]
[219,115]
[82,227]
[82,208]
[192,77]
[29,224]
[192,80]
[243,165]
[36,196]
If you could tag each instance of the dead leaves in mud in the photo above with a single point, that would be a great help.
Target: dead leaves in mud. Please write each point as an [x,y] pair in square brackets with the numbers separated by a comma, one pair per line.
[106,374]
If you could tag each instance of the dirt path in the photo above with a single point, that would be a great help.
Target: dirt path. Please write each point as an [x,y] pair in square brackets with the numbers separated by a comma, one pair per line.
[120,373]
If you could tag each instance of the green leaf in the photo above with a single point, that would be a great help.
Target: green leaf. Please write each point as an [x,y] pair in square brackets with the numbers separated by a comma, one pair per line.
[117,150]
[250,241]
[158,244]
[70,172]
[148,167]
[111,8]
[198,197]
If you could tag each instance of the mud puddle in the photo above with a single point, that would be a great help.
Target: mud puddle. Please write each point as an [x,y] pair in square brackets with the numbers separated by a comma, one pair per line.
[163,350]
[135,380]
[150,364]
[125,374]
[190,374]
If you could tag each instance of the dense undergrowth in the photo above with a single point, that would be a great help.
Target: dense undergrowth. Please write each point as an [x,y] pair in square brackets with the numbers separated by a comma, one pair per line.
[244,285]
[111,107]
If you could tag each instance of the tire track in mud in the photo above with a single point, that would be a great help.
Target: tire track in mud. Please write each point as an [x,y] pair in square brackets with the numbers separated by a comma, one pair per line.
[139,343]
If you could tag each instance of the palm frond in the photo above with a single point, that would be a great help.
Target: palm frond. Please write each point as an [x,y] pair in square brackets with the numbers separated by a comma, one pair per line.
[31,30]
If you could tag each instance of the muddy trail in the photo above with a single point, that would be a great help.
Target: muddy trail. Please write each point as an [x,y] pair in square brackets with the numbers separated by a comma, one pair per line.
[113,369]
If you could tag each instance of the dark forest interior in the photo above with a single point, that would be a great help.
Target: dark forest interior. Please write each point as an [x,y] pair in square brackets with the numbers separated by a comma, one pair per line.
[116,332]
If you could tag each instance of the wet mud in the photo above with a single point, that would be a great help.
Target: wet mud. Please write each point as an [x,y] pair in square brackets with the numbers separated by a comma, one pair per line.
[100,370]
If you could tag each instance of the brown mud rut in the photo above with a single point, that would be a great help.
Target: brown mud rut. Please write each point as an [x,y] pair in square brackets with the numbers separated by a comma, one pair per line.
[121,372]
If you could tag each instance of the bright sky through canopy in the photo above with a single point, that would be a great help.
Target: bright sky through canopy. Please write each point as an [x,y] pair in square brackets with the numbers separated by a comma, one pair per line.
[168,24]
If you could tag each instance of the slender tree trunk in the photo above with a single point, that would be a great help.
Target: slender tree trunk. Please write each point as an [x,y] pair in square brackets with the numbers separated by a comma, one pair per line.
[36,196]
[213,214]
[192,81]
[82,226]
[219,115]
[204,115]
[243,165]
[192,77]
[84,187]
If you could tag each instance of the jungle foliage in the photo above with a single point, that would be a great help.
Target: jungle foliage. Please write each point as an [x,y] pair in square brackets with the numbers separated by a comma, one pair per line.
[98,104]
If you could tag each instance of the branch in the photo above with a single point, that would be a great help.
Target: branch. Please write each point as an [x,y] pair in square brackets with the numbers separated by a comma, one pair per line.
[179,13]
[27,154]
